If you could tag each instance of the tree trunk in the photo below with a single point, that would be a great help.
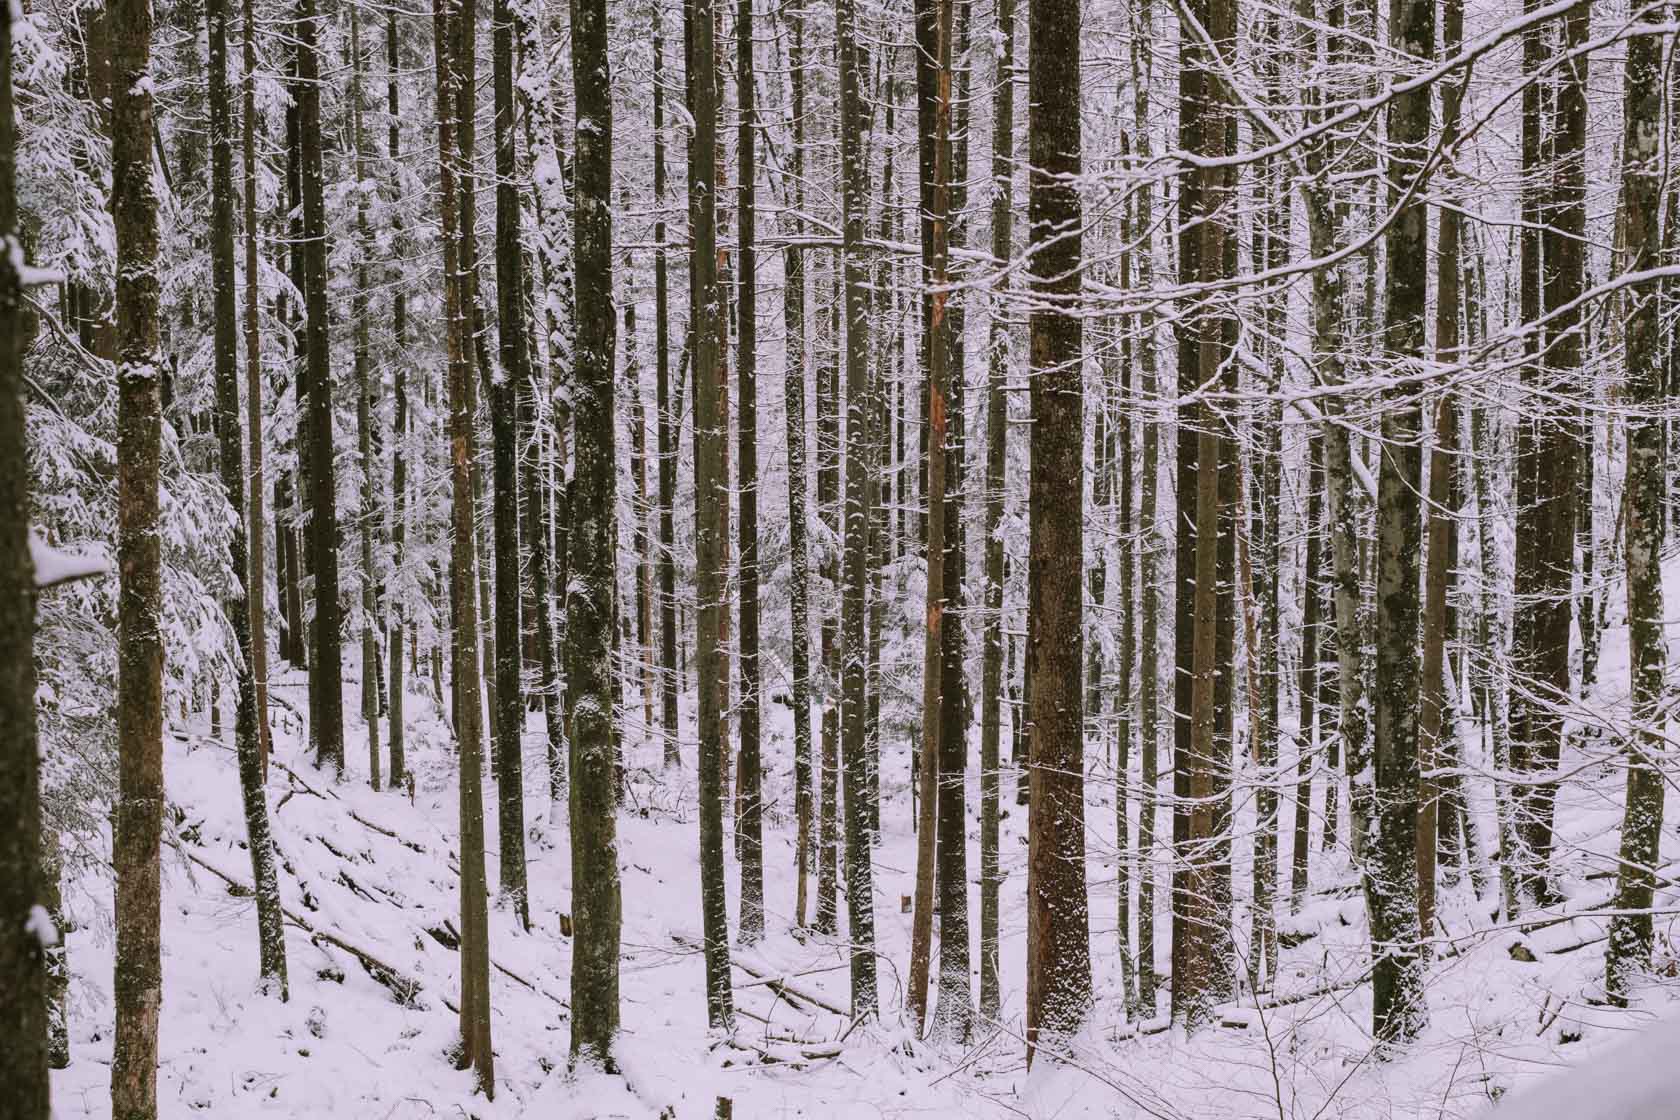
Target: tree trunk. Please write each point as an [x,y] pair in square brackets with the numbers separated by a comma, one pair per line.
[828,502]
[25,944]
[327,662]
[854,171]
[1307,721]
[258,527]
[933,85]
[1143,223]
[589,667]
[997,419]
[749,826]
[515,373]
[1399,1011]
[709,443]
[1058,938]
[366,386]
[475,1048]
[799,566]
[1629,952]
[138,826]
[399,443]
[271,946]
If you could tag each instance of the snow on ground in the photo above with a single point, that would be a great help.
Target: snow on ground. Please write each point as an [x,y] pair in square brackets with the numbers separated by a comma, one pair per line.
[376,871]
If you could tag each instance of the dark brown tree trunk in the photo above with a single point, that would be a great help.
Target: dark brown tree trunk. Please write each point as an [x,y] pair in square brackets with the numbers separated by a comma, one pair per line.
[669,422]
[365,409]
[997,418]
[515,373]
[138,984]
[1307,721]
[750,824]
[399,443]
[271,946]
[257,520]
[854,171]
[933,85]
[710,438]
[1399,1011]
[1629,952]
[1058,937]
[327,662]
[799,593]
[27,939]
[475,1050]
[589,667]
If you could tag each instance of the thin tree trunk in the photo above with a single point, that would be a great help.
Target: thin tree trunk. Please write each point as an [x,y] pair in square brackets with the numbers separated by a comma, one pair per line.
[668,422]
[799,565]
[1059,991]
[399,440]
[828,502]
[933,84]
[258,575]
[997,418]
[366,386]
[475,1046]
[860,891]
[504,418]
[749,824]
[709,442]
[327,662]
[271,946]
[1143,64]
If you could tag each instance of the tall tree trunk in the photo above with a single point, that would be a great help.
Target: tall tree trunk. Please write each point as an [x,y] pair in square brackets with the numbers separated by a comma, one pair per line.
[399,440]
[1629,952]
[1307,715]
[828,503]
[257,521]
[504,418]
[1202,950]
[366,386]
[138,982]
[475,1048]
[1058,937]
[799,565]
[589,667]
[854,171]
[750,825]
[1143,65]
[25,944]
[933,86]
[271,945]
[1436,735]
[669,423]
[710,438]
[997,419]
[323,526]
[1399,1011]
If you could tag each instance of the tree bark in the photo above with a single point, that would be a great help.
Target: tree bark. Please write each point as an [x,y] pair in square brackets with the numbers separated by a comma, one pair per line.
[933,85]
[399,443]
[505,388]
[750,823]
[1629,952]
[475,1049]
[257,587]
[138,981]
[997,419]
[710,438]
[366,386]
[25,944]
[860,891]
[799,564]
[1058,938]
[271,945]
[327,662]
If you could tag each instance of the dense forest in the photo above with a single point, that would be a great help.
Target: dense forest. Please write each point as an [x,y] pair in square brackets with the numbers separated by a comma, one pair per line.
[973,558]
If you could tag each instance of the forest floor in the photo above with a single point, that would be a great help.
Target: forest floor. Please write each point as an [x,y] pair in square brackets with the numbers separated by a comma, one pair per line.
[372,873]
